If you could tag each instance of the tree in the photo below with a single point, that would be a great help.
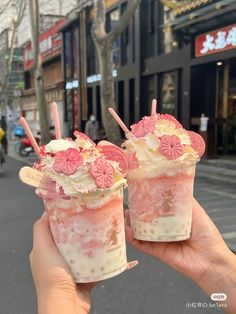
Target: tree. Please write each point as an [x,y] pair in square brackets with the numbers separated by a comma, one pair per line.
[20,10]
[38,72]
[103,43]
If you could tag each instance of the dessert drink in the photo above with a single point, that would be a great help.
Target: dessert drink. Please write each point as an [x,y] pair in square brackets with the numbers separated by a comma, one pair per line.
[84,202]
[162,157]
[81,185]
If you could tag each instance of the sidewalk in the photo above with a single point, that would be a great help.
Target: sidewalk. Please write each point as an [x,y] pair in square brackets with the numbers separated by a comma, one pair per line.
[223,170]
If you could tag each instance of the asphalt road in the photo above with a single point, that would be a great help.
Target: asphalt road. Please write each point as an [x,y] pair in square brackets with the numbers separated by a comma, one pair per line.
[150,288]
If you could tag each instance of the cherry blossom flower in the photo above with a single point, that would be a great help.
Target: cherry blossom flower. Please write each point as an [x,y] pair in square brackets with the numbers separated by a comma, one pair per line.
[102,171]
[143,127]
[170,147]
[67,161]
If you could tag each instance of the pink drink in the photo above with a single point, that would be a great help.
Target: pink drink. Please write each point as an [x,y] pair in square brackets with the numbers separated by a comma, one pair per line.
[161,207]
[91,239]
[82,190]
[162,158]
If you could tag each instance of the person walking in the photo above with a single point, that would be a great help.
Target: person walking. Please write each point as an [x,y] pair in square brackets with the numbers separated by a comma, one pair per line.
[92,128]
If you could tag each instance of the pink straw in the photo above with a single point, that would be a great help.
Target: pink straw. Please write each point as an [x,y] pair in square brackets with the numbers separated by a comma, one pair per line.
[154,107]
[56,120]
[30,135]
[118,120]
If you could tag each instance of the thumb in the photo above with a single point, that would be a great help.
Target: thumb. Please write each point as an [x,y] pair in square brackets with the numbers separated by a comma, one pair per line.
[42,238]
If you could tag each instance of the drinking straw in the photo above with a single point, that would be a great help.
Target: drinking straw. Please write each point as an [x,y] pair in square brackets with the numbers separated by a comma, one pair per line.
[154,107]
[56,120]
[30,135]
[118,120]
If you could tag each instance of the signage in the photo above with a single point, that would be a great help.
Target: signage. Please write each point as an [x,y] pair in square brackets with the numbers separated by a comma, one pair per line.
[90,79]
[215,41]
[50,44]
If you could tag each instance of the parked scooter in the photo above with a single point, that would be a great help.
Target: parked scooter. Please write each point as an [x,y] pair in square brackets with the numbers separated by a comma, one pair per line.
[26,147]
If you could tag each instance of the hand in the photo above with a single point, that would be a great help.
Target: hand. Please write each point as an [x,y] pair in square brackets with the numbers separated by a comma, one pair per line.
[205,257]
[56,290]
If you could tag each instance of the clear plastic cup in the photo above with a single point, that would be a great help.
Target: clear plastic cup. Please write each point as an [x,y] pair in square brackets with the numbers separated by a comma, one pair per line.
[160,206]
[89,233]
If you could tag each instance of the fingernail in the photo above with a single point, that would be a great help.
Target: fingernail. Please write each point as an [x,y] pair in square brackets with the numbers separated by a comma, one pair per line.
[44,215]
[132,264]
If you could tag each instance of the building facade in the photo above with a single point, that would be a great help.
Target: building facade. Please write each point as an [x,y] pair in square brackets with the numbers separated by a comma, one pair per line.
[50,48]
[50,12]
[183,55]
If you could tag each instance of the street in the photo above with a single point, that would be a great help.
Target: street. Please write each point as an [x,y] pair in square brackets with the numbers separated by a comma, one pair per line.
[150,288]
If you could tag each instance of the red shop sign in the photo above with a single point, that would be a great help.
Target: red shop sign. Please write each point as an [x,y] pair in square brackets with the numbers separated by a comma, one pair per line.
[216,41]
[49,44]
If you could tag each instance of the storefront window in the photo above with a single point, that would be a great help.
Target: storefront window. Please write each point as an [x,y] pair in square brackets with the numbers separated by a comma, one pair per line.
[112,20]
[226,109]
[68,55]
[91,57]
[115,15]
[75,52]
[168,41]
[125,41]
[168,93]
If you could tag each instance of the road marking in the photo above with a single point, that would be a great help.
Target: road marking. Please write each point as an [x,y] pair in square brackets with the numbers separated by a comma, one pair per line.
[219,193]
[228,227]
[217,178]
[208,198]
[225,217]
[229,235]
[217,210]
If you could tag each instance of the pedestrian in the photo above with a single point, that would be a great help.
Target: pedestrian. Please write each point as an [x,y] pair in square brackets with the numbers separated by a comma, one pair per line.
[205,258]
[92,128]
[3,125]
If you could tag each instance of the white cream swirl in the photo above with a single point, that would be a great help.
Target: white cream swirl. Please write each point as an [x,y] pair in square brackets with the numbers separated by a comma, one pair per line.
[151,162]
[80,183]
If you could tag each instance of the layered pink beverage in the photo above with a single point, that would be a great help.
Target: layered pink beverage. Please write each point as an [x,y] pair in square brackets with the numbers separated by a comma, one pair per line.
[162,159]
[83,196]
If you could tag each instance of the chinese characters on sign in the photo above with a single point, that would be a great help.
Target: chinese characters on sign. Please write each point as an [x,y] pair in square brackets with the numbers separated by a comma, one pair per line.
[215,41]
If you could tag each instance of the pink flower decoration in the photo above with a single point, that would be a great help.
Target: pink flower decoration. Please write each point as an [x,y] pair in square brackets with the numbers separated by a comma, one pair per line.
[172,119]
[102,171]
[67,161]
[198,143]
[143,127]
[170,146]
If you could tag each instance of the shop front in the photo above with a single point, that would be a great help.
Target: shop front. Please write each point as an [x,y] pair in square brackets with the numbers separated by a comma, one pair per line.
[213,88]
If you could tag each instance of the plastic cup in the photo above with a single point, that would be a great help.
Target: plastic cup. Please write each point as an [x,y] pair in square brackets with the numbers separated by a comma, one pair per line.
[160,206]
[89,233]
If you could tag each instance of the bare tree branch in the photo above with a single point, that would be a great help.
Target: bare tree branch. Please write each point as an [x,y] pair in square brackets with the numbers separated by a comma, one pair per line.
[16,23]
[103,42]
[99,20]
[124,20]
[6,6]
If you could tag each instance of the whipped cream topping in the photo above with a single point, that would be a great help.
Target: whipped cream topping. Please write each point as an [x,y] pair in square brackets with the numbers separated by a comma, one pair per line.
[162,146]
[80,167]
